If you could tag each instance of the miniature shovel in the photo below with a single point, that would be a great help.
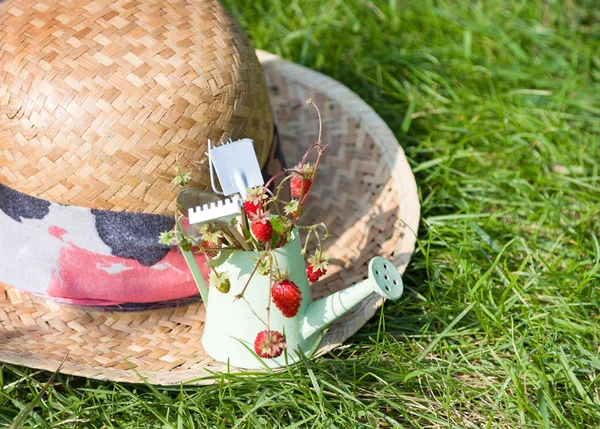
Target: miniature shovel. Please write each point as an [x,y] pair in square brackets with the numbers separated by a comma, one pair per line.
[237,169]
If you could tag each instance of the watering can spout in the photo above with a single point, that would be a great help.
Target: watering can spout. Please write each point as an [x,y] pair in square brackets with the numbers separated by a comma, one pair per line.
[384,279]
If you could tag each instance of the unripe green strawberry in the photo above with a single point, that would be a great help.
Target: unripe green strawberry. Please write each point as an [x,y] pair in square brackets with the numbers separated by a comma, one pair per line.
[220,281]
[185,244]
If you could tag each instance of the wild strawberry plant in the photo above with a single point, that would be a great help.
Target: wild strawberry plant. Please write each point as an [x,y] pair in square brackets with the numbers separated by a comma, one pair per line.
[266,222]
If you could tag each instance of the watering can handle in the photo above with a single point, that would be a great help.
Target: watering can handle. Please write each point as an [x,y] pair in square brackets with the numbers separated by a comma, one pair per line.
[195,270]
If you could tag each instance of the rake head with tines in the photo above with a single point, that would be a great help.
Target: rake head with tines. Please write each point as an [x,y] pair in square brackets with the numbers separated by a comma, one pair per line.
[219,210]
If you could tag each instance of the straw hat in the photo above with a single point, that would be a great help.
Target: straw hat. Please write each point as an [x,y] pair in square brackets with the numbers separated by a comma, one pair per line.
[366,193]
[109,98]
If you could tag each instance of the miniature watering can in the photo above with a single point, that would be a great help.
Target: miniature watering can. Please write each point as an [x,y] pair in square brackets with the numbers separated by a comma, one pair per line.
[232,324]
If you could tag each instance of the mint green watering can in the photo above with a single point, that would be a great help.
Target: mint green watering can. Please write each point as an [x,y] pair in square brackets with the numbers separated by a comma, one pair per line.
[232,324]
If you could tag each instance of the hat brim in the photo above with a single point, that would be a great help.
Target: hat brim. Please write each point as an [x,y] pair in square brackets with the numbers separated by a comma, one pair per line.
[366,194]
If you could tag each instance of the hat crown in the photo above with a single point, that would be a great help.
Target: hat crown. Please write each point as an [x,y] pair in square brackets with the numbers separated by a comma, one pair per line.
[100,100]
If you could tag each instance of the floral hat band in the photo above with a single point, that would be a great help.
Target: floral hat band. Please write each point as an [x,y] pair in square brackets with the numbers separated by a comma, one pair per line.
[87,256]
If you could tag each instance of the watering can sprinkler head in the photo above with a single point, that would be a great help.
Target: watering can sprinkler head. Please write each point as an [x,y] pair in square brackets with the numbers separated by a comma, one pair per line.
[385,278]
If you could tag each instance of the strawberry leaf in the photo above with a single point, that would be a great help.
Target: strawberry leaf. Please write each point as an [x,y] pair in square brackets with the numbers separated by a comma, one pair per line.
[279,224]
[182,179]
[246,233]
[219,260]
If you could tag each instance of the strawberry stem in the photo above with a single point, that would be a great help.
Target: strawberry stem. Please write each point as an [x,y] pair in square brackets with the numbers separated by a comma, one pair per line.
[233,235]
[270,291]
[241,294]
[254,312]
[304,195]
[309,102]
[279,173]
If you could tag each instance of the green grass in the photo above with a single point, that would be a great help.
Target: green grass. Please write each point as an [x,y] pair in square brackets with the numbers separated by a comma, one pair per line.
[497,105]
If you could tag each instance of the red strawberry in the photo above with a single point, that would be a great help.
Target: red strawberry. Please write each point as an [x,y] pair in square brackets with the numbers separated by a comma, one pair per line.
[300,184]
[255,200]
[314,275]
[250,207]
[269,344]
[287,297]
[211,237]
[261,226]
[317,266]
[211,253]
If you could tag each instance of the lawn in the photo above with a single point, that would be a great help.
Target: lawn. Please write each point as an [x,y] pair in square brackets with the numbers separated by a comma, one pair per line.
[497,106]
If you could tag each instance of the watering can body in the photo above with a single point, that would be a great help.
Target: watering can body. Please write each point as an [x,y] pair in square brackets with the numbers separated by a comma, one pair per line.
[233,323]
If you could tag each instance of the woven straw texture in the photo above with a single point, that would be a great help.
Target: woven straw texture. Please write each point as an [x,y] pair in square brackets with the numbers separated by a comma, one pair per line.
[98,99]
[366,194]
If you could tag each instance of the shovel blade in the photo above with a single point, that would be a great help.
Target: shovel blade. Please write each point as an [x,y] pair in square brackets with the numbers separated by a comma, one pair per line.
[237,166]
